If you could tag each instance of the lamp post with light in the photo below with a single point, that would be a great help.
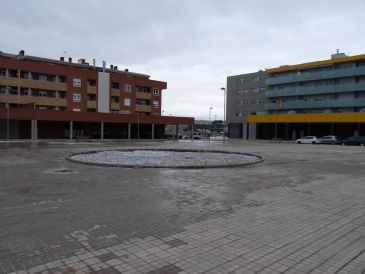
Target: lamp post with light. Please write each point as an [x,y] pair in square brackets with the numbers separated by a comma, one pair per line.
[224,114]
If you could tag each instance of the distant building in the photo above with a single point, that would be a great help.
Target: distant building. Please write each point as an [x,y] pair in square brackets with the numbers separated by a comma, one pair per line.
[46,98]
[317,98]
[245,96]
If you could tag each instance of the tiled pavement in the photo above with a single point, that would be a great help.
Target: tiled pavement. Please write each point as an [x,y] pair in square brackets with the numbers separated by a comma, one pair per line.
[317,227]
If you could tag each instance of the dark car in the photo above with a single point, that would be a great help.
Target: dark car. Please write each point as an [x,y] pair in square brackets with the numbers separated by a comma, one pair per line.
[353,141]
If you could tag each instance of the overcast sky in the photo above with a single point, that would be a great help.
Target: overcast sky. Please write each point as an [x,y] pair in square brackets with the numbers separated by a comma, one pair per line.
[193,45]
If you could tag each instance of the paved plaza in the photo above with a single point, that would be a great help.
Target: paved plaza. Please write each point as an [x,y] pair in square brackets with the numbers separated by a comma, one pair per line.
[302,210]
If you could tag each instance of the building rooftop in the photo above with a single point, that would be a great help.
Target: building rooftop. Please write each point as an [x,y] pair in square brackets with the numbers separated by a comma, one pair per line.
[69,62]
[335,59]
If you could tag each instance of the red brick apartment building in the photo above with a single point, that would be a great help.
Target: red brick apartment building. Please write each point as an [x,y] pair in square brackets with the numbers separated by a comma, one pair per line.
[44,98]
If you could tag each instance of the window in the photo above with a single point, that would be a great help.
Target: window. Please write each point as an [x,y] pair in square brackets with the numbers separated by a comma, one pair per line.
[2,72]
[127,88]
[43,77]
[155,104]
[91,97]
[76,83]
[259,101]
[115,85]
[76,109]
[91,82]
[240,114]
[154,114]
[156,91]
[76,97]
[143,89]
[115,99]
[26,75]
[61,79]
[43,93]
[127,101]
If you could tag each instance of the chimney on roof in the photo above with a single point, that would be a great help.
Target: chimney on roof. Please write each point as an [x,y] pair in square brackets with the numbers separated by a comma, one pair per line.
[94,63]
[115,67]
[104,66]
[338,54]
[21,53]
[126,70]
[111,66]
[62,59]
[81,61]
[69,59]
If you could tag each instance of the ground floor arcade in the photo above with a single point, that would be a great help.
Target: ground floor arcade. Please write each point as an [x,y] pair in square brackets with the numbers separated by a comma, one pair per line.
[294,126]
[37,124]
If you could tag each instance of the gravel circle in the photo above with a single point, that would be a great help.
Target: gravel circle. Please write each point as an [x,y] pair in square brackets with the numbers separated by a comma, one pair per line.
[150,158]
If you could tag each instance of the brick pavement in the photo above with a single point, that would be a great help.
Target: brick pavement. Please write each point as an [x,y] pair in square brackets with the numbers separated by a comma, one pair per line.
[312,227]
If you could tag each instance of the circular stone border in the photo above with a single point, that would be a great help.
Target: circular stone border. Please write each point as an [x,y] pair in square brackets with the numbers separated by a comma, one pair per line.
[259,158]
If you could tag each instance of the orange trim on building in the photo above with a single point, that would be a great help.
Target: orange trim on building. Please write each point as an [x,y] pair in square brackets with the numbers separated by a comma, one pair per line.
[351,117]
[316,63]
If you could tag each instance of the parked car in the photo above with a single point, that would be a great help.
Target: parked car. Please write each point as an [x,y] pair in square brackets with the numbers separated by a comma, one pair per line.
[197,135]
[308,140]
[353,141]
[329,139]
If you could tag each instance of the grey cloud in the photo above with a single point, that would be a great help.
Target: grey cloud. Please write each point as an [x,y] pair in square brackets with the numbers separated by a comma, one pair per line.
[193,45]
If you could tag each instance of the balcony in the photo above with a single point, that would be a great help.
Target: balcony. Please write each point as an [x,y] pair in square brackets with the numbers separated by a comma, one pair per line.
[143,108]
[9,81]
[91,89]
[301,104]
[114,106]
[143,95]
[41,101]
[316,90]
[115,92]
[91,104]
[312,76]
[36,84]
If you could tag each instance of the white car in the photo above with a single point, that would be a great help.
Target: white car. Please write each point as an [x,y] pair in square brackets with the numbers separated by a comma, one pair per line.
[308,140]
[197,135]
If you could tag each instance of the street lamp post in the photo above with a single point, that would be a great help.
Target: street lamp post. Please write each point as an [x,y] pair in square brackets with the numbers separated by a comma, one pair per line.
[224,114]
[210,111]
[7,117]
[138,125]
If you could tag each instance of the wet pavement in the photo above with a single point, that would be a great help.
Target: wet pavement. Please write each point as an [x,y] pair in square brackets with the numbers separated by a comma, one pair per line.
[302,210]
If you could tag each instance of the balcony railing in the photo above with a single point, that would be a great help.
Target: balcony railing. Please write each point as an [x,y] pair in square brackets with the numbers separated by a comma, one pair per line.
[36,84]
[316,90]
[91,89]
[301,104]
[91,104]
[143,108]
[143,95]
[115,92]
[319,75]
[41,101]
[114,106]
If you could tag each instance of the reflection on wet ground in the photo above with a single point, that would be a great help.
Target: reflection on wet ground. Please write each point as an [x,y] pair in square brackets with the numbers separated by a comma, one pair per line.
[45,200]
